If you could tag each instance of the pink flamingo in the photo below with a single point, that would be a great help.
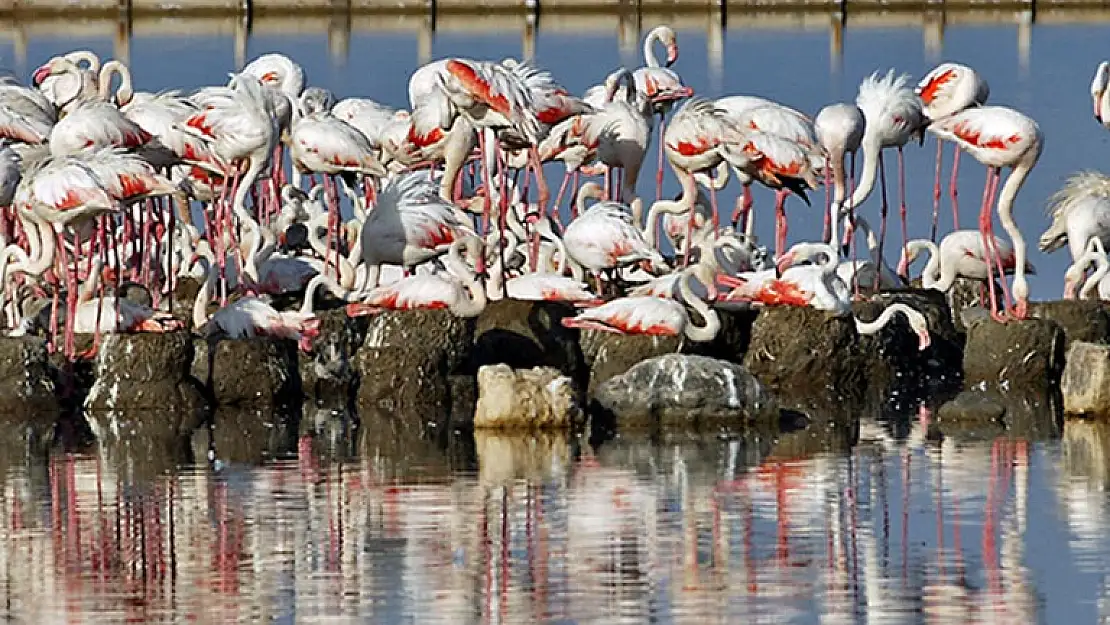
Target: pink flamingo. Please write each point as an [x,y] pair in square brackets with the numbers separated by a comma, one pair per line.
[661,86]
[839,129]
[961,254]
[653,316]
[998,137]
[950,88]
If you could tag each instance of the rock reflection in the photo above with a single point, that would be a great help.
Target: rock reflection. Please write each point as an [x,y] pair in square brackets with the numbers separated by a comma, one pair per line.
[673,529]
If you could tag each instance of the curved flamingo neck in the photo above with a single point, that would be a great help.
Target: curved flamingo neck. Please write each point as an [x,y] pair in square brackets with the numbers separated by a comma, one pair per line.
[871,327]
[1005,217]
[712,321]
[200,305]
[872,152]
[683,204]
[104,81]
[649,43]
[475,301]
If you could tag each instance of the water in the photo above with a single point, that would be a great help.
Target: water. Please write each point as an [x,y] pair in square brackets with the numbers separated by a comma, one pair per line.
[959,527]
[1042,70]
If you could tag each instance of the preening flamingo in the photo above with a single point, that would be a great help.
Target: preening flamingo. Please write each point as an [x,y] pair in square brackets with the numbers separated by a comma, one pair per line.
[949,89]
[655,316]
[1080,211]
[894,116]
[999,137]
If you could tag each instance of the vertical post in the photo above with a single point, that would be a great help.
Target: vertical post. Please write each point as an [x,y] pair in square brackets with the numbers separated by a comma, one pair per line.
[122,44]
[243,31]
[531,26]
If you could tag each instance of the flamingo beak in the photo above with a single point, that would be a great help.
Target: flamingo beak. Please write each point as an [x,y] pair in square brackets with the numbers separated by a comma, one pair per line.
[923,339]
[40,75]
[672,53]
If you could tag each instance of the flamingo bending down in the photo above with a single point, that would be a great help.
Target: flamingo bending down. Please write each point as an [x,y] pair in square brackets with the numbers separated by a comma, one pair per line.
[1080,211]
[459,291]
[960,255]
[893,116]
[655,316]
[947,90]
[819,286]
[999,137]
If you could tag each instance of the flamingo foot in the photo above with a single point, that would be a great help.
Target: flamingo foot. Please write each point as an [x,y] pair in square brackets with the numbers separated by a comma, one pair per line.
[88,354]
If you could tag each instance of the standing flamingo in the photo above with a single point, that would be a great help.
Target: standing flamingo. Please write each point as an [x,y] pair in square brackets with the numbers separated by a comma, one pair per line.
[893,116]
[620,131]
[998,137]
[948,89]
[839,129]
[661,86]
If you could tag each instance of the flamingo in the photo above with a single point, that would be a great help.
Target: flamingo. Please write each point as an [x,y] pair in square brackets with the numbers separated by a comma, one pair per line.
[1074,276]
[1101,95]
[66,90]
[893,115]
[250,316]
[999,137]
[619,131]
[25,115]
[537,287]
[653,316]
[410,225]
[459,292]
[819,286]
[949,88]
[277,71]
[661,86]
[959,255]
[1080,211]
[605,237]
[839,129]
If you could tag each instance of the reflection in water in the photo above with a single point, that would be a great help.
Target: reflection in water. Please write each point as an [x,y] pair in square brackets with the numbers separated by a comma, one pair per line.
[892,531]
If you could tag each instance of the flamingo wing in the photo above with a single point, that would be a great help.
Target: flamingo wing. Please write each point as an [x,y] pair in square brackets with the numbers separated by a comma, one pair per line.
[633,315]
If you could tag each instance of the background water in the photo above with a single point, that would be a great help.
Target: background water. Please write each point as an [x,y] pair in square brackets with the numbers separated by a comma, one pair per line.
[930,526]
[1043,71]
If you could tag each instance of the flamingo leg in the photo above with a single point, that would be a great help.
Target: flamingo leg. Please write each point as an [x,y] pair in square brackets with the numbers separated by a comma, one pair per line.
[826,232]
[985,234]
[545,195]
[996,176]
[559,196]
[780,221]
[884,207]
[936,191]
[503,214]
[659,171]
[952,188]
[574,196]
[746,210]
[901,199]
[487,204]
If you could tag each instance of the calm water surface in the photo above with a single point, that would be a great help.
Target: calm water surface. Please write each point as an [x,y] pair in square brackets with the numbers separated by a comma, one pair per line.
[926,527]
[916,527]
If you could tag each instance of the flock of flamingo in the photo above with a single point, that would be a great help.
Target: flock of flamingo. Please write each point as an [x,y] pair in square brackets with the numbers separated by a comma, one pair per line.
[112,196]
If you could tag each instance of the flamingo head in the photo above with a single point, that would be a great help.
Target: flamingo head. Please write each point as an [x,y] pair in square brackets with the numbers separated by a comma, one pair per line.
[41,74]
[672,50]
[784,262]
[920,326]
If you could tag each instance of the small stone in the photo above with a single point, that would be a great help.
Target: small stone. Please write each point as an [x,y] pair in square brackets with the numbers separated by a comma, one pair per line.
[1085,384]
[971,407]
[540,398]
[684,390]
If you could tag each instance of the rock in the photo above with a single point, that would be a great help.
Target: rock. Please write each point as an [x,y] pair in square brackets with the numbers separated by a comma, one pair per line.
[539,398]
[1032,415]
[1026,355]
[406,362]
[503,458]
[252,371]
[524,334]
[1085,384]
[802,350]
[1081,320]
[27,391]
[137,373]
[893,355]
[610,355]
[328,373]
[686,391]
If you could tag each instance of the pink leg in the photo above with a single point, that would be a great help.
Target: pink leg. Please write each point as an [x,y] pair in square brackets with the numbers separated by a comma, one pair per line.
[936,191]
[985,234]
[780,221]
[901,198]
[609,183]
[952,188]
[559,196]
[884,208]
[826,233]
[996,176]
[713,205]
[545,196]
[574,196]
[486,205]
[659,172]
